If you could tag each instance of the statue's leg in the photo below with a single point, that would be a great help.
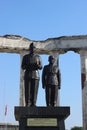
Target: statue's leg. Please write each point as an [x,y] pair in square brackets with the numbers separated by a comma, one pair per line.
[55,95]
[26,84]
[34,90]
[48,95]
[29,93]
[52,95]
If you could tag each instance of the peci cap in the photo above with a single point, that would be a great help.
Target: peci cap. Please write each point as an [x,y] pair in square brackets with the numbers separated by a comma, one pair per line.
[32,46]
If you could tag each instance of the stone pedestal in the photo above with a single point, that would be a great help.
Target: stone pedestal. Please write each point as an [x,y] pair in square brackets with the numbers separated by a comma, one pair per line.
[22,114]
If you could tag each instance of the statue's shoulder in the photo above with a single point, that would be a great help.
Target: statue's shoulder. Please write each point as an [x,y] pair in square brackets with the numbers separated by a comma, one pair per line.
[56,66]
[46,66]
[25,56]
[36,55]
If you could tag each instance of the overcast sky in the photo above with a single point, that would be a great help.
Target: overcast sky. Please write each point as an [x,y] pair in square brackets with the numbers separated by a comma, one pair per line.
[39,20]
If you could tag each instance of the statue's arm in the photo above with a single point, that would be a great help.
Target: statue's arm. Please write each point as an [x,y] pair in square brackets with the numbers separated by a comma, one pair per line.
[59,79]
[43,78]
[40,64]
[23,65]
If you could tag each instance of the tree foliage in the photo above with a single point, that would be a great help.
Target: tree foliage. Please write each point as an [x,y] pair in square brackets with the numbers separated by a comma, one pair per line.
[77,128]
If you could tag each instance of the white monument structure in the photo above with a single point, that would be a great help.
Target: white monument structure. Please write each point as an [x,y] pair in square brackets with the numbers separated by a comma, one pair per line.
[53,46]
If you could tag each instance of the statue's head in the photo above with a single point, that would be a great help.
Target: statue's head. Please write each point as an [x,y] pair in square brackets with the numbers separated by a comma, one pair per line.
[32,47]
[51,59]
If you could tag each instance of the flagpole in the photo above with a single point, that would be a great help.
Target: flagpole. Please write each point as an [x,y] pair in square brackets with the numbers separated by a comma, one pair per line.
[5,114]
[5,106]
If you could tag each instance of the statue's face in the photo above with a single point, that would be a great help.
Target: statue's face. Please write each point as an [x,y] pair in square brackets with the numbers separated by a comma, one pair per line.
[52,60]
[32,48]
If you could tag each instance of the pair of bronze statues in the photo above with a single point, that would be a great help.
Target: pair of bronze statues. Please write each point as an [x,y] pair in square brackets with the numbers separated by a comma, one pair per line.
[31,63]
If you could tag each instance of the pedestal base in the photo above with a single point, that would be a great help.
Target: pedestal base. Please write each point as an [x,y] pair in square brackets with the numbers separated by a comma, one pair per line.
[42,128]
[22,114]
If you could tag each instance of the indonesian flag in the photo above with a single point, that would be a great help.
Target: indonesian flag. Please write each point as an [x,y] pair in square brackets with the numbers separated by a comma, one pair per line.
[6,110]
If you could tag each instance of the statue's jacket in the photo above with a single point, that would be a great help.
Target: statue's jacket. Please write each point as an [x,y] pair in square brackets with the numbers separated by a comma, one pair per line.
[51,75]
[31,64]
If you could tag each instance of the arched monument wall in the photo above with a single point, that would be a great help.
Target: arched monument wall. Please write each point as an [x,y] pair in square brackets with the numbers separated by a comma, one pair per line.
[54,46]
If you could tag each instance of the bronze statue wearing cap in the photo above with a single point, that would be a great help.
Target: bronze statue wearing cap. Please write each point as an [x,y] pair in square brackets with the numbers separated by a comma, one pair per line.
[51,82]
[31,63]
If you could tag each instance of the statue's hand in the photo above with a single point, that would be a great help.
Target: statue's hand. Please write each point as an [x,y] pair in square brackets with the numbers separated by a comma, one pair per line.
[43,87]
[37,66]
[59,87]
[34,66]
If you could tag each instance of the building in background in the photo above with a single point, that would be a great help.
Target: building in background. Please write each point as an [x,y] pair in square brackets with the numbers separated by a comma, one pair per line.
[7,126]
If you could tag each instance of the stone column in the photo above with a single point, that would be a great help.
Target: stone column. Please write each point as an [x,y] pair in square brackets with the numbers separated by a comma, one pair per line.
[83,55]
[22,97]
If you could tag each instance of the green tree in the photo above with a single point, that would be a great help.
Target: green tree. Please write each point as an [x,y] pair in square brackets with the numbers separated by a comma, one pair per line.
[77,128]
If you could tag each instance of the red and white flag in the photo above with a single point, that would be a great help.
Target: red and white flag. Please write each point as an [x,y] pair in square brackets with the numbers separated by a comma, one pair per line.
[6,110]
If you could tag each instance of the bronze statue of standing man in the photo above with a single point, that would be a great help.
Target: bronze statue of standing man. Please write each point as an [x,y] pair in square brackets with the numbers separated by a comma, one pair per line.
[31,63]
[51,82]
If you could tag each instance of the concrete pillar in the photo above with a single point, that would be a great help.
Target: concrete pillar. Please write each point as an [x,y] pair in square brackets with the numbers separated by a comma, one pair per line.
[22,97]
[83,55]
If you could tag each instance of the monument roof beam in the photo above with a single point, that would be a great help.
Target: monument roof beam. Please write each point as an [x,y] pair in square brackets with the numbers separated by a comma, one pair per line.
[18,44]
